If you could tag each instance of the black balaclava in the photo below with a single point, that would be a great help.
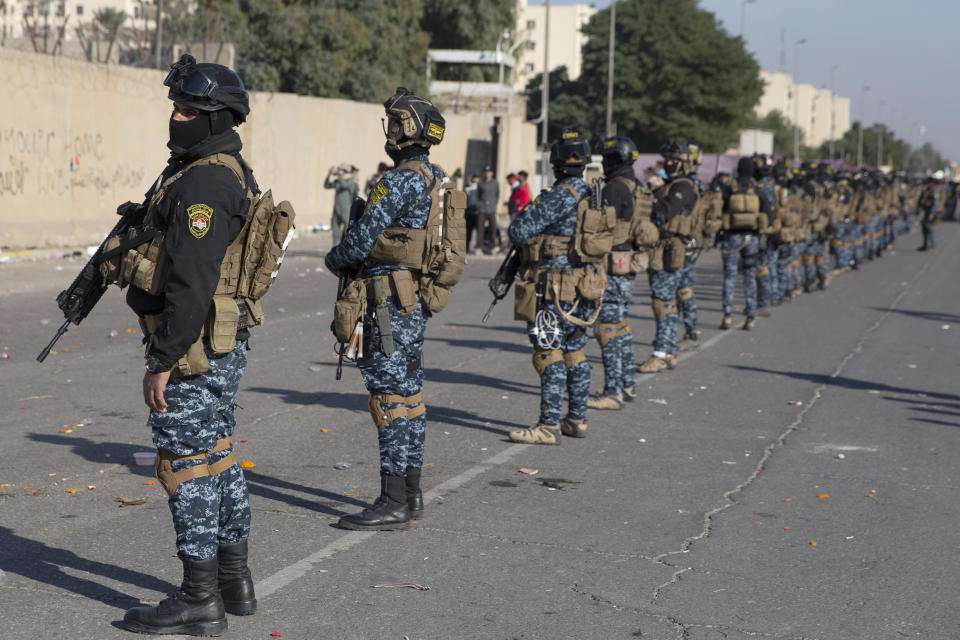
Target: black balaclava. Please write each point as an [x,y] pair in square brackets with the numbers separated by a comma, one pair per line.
[565,171]
[187,135]
[410,151]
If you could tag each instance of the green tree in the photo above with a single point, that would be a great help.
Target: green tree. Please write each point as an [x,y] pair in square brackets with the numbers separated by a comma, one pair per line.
[895,151]
[478,25]
[925,159]
[568,102]
[353,49]
[677,74]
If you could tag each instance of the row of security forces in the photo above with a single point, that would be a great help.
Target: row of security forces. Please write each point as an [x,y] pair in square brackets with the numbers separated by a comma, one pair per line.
[204,246]
[582,250]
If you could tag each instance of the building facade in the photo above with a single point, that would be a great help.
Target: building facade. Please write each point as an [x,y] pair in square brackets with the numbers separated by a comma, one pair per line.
[820,113]
[565,43]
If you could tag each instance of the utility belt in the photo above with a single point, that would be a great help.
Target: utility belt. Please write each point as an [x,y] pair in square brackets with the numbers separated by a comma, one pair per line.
[352,305]
[552,284]
[227,321]
[670,253]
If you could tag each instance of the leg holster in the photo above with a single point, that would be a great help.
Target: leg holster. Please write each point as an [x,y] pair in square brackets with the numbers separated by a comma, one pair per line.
[382,416]
[171,479]
[574,358]
[662,308]
[544,358]
[684,293]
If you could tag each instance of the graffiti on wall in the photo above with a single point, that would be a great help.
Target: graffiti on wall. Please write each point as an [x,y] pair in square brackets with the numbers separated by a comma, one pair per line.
[45,162]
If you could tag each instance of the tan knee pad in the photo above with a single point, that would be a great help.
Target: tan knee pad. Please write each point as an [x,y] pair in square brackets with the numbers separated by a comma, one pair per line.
[382,416]
[763,271]
[543,358]
[604,332]
[170,480]
[662,308]
[819,260]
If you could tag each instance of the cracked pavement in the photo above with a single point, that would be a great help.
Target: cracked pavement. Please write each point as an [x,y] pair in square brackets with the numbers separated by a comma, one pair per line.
[691,514]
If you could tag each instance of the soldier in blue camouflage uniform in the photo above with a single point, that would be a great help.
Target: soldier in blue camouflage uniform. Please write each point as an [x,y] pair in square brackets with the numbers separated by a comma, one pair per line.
[613,327]
[819,195]
[560,334]
[192,414]
[767,277]
[401,200]
[675,202]
[742,248]
[929,211]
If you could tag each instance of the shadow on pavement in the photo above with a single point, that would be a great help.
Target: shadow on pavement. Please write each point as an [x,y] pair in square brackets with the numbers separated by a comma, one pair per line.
[99,452]
[346,400]
[40,562]
[480,381]
[267,487]
[933,316]
[483,345]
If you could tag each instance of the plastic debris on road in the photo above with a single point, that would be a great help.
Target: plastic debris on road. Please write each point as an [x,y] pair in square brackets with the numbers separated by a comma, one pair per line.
[46,321]
[315,367]
[795,403]
[113,334]
[813,543]
[657,400]
[4,355]
[343,465]
[409,585]
[823,496]
[528,471]
[872,494]
[246,464]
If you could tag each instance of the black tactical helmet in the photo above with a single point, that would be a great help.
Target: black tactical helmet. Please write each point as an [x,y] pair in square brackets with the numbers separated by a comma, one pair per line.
[761,166]
[207,87]
[411,120]
[673,150]
[571,151]
[618,151]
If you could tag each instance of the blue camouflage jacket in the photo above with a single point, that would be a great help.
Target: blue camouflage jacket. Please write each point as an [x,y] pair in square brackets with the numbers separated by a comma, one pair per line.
[400,199]
[554,212]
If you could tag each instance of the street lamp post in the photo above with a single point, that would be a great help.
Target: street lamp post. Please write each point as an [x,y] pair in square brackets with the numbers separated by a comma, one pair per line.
[743,12]
[832,110]
[613,22]
[545,99]
[796,100]
[863,97]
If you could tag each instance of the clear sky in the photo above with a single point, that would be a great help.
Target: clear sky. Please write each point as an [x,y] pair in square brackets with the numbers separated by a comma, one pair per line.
[905,51]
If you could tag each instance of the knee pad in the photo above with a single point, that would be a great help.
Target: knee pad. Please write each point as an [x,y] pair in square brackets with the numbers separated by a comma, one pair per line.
[763,271]
[663,308]
[171,480]
[574,358]
[819,261]
[604,332]
[544,358]
[382,416]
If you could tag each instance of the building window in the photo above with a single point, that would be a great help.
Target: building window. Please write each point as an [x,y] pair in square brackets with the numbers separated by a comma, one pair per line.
[531,45]
[79,9]
[528,68]
[531,24]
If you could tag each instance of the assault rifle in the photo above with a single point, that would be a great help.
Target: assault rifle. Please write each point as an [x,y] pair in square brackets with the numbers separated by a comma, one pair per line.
[78,300]
[501,282]
[355,345]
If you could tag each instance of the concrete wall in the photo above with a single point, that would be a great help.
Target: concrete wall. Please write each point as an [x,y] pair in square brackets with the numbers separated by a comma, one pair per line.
[77,139]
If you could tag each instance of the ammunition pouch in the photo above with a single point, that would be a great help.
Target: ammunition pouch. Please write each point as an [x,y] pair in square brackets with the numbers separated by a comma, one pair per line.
[222,323]
[544,358]
[674,254]
[171,480]
[545,247]
[639,261]
[525,300]
[645,234]
[620,263]
[138,258]
[593,235]
[763,271]
[349,310]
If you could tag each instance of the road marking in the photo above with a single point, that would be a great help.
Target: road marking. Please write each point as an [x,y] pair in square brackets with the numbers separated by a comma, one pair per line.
[824,448]
[299,569]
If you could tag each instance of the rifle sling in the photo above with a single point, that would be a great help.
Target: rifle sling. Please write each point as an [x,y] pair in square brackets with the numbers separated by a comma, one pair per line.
[125,245]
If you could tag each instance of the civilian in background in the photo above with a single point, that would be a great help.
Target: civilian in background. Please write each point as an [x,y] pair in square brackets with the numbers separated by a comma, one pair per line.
[472,213]
[343,180]
[488,192]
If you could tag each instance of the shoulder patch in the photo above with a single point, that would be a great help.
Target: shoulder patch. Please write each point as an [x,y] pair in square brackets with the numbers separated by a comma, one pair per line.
[377,194]
[198,219]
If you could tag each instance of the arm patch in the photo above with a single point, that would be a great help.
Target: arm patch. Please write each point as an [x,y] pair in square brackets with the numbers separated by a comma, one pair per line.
[199,217]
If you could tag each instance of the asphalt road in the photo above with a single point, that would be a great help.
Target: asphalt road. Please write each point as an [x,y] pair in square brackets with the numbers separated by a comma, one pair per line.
[797,481]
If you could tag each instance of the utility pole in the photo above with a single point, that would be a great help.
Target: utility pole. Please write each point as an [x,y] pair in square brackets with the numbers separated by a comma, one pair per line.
[863,97]
[743,11]
[832,110]
[880,134]
[613,22]
[159,40]
[545,98]
[796,100]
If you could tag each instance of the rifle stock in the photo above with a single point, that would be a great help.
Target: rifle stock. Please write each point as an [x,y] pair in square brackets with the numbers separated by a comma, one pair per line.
[501,282]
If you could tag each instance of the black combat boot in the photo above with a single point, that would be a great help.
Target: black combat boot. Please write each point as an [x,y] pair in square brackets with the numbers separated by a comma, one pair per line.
[388,512]
[414,495]
[196,609]
[236,585]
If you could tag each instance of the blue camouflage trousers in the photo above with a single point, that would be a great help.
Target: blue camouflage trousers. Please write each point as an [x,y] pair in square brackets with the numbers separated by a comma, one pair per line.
[815,263]
[614,335]
[858,238]
[565,367]
[737,246]
[211,509]
[663,292]
[686,298]
[401,425]
[841,245]
[768,279]
[873,232]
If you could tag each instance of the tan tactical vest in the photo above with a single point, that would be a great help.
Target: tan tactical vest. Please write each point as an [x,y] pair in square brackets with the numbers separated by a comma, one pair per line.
[683,225]
[743,211]
[592,238]
[437,252]
[250,264]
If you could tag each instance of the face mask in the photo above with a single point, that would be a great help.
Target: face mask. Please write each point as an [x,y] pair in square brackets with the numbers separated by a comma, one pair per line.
[185,135]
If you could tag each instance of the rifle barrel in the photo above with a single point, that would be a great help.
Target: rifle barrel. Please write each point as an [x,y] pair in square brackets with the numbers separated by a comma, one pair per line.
[46,350]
